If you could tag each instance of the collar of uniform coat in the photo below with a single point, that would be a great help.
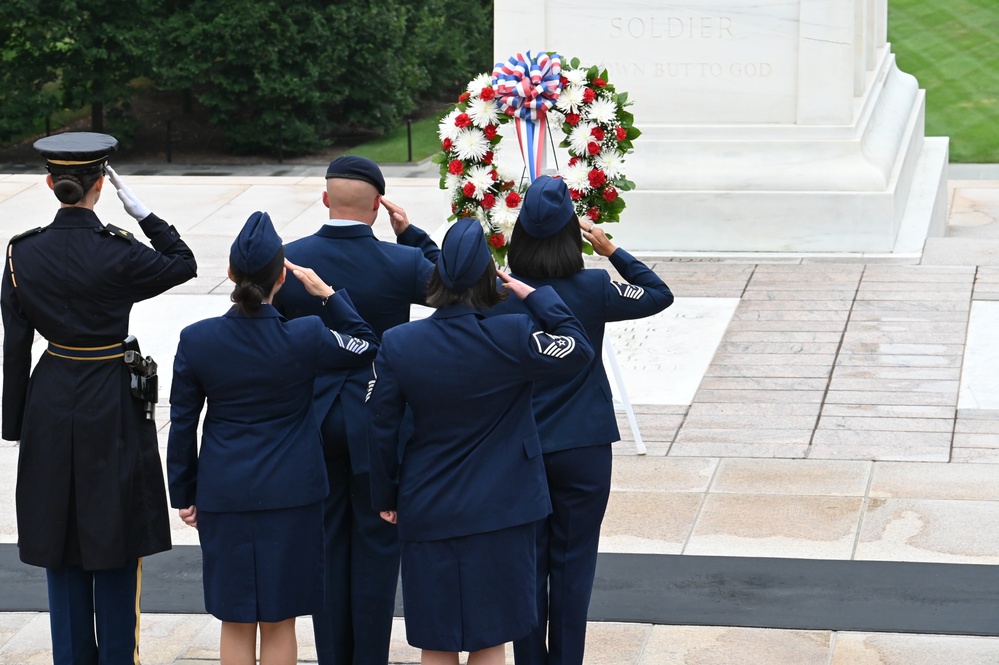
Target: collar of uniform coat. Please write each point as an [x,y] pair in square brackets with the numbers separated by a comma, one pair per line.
[76,218]
[349,231]
[455,310]
[266,311]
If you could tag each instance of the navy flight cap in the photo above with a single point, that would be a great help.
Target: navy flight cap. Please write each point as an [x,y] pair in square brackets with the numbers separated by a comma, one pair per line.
[464,255]
[547,207]
[353,167]
[256,244]
[76,152]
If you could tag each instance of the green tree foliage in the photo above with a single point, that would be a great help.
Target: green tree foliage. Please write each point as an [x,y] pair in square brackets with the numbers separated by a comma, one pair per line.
[277,75]
[69,54]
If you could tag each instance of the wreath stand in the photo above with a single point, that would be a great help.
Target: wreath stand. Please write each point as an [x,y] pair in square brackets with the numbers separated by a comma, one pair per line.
[622,403]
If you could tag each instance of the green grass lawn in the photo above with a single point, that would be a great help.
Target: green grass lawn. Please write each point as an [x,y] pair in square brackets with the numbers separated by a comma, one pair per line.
[952,48]
[393,146]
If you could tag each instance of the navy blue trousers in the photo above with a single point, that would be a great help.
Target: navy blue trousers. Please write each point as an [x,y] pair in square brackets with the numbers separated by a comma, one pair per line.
[362,571]
[567,541]
[94,615]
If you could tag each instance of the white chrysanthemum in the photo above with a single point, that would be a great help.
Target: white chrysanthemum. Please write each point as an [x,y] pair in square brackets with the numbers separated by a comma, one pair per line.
[470,143]
[611,162]
[479,176]
[447,129]
[505,218]
[575,76]
[580,136]
[602,110]
[482,112]
[569,99]
[481,81]
[453,183]
[577,177]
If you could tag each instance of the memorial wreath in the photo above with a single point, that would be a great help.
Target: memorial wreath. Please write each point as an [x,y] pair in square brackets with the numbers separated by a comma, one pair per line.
[531,91]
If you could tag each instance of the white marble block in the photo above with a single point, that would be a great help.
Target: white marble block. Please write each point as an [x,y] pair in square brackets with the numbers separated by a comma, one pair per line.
[768,125]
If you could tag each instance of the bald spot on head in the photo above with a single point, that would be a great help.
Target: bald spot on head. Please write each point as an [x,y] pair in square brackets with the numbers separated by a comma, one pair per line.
[352,199]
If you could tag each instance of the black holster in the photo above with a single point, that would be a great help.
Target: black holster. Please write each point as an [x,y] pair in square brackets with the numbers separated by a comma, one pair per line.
[144,382]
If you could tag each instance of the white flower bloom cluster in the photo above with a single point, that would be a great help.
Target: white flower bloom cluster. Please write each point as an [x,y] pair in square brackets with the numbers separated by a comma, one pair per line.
[570,99]
[480,176]
[580,137]
[482,112]
[481,81]
[470,143]
[504,217]
[447,129]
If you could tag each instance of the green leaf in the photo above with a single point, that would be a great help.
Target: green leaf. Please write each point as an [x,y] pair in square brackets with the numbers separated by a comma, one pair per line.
[603,75]
[588,248]
[439,158]
[592,72]
[634,133]
[622,98]
[626,117]
[574,63]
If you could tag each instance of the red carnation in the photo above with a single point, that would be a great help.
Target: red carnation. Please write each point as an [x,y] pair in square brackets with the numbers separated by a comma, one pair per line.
[621,133]
[455,167]
[593,148]
[512,200]
[573,161]
[593,213]
[610,194]
[488,201]
[597,133]
[488,157]
[468,190]
[497,240]
[463,97]
[588,95]
[453,207]
[572,118]
[575,194]
[599,82]
[487,93]
[447,143]
[597,178]
[490,132]
[462,120]
[563,81]
[492,174]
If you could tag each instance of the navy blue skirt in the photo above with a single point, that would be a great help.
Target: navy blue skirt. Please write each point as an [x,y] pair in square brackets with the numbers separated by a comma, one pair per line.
[263,565]
[472,592]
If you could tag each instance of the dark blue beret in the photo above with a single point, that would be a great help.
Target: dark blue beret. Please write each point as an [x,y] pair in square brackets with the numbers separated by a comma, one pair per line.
[353,167]
[255,245]
[547,207]
[76,152]
[464,255]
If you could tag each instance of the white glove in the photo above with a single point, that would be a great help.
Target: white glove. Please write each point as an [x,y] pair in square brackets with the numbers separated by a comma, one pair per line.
[133,206]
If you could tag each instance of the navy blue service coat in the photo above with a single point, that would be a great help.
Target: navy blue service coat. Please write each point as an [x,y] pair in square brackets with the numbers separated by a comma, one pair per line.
[384,279]
[86,447]
[474,462]
[260,446]
[578,411]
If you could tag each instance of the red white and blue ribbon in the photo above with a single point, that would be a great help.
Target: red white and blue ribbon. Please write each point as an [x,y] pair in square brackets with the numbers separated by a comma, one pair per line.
[526,87]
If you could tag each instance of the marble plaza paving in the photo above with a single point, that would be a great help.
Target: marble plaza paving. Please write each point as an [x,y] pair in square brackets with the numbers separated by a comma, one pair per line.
[822,407]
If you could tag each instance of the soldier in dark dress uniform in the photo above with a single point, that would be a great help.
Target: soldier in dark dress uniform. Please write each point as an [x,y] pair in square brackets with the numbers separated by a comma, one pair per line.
[90,494]
[575,413]
[470,483]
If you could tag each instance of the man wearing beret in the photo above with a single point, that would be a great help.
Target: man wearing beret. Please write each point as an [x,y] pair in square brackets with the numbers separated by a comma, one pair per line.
[384,279]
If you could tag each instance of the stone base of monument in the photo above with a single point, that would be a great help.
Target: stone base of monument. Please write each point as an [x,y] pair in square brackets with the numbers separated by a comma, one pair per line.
[874,187]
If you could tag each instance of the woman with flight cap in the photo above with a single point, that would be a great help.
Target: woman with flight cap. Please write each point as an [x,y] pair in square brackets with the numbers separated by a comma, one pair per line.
[254,488]
[469,483]
[575,414]
[90,495]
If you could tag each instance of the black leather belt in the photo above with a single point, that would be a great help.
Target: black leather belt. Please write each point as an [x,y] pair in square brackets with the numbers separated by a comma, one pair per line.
[109,352]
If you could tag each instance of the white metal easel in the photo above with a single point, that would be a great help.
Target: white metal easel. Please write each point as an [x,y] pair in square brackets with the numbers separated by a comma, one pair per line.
[622,403]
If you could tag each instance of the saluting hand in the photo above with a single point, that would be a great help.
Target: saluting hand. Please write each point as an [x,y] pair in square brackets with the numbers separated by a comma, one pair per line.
[397,216]
[310,280]
[133,206]
[518,288]
[596,237]
[189,516]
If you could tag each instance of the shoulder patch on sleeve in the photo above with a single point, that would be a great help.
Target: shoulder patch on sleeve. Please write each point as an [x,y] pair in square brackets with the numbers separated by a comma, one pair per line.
[557,346]
[352,344]
[25,234]
[628,290]
[118,231]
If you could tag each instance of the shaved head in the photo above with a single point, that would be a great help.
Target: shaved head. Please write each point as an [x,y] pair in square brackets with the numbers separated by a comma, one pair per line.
[352,199]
